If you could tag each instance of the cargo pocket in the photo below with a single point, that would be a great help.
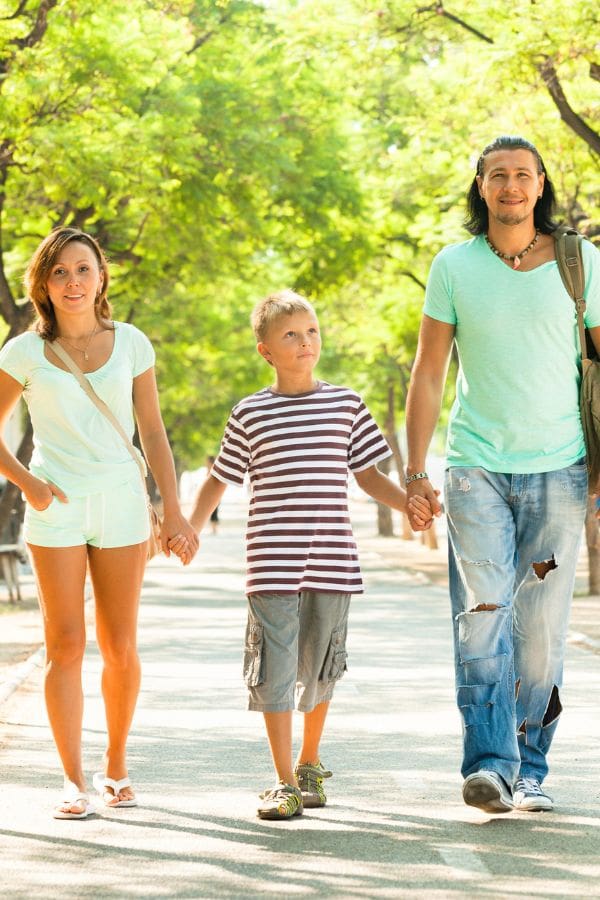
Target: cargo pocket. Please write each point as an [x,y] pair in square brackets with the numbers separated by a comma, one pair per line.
[335,661]
[253,654]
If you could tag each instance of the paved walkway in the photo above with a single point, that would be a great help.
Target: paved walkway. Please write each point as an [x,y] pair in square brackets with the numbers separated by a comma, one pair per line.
[395,825]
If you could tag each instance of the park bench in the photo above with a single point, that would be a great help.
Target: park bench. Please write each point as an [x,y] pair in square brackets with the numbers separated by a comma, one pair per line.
[10,557]
[12,552]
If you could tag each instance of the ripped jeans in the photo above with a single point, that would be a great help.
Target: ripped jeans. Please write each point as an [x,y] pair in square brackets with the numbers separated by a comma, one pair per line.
[513,542]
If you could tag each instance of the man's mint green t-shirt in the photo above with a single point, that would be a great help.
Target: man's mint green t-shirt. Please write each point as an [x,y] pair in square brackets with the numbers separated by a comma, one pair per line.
[75,446]
[517,393]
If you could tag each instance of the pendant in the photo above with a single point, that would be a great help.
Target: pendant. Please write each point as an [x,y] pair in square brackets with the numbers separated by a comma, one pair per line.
[516,263]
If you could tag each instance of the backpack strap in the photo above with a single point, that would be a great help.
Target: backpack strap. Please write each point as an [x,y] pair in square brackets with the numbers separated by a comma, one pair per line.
[570,265]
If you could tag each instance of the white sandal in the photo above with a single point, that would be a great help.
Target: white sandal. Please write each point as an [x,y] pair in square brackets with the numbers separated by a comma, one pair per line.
[73,796]
[102,782]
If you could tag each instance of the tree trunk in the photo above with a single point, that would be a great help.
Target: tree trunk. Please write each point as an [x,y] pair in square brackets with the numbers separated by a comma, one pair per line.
[392,439]
[592,539]
[572,119]
[429,537]
[385,527]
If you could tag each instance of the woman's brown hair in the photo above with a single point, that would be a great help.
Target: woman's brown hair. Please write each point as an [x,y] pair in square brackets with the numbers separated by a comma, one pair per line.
[38,272]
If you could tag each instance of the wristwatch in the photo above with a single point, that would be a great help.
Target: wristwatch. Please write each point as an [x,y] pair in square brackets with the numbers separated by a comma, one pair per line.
[416,477]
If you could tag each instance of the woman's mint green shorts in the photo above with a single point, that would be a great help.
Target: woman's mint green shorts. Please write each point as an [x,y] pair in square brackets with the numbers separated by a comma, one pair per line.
[116,517]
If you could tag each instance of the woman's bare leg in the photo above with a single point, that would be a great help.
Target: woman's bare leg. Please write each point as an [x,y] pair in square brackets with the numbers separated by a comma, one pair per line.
[117,576]
[60,574]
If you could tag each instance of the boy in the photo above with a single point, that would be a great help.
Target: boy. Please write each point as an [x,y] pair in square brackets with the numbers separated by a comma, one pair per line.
[297,440]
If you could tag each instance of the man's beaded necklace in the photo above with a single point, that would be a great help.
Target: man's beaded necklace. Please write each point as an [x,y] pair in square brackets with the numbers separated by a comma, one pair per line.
[516,259]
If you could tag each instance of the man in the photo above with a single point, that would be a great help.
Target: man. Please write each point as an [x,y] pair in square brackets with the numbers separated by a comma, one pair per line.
[516,482]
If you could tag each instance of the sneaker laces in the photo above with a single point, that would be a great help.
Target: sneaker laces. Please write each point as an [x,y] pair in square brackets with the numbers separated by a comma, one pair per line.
[529,785]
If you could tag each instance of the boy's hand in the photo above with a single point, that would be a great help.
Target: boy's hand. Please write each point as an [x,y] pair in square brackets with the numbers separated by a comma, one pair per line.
[179,537]
[180,546]
[420,513]
[422,490]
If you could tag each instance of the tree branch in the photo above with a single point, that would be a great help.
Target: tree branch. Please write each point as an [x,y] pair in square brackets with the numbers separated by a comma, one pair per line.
[18,12]
[567,113]
[203,38]
[438,8]
[408,274]
[39,27]
[595,71]
[35,35]
[199,42]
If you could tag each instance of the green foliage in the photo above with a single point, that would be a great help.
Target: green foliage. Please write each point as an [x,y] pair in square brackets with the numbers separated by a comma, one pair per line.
[221,149]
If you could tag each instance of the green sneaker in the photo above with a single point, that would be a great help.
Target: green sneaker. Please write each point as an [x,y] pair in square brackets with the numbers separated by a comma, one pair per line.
[310,781]
[284,801]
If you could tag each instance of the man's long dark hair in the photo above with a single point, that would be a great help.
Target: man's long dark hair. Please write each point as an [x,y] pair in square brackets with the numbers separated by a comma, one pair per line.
[477,220]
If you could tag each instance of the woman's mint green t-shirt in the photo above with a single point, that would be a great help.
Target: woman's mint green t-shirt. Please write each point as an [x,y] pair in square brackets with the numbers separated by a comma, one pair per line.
[516,408]
[75,446]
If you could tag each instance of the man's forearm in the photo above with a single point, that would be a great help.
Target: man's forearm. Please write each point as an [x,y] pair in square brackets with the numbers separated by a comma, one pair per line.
[422,413]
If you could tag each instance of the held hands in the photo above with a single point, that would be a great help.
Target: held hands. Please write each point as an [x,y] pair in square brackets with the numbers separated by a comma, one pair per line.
[40,493]
[423,504]
[178,537]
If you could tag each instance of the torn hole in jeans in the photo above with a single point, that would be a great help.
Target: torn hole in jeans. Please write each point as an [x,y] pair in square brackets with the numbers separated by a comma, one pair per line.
[554,708]
[484,607]
[541,569]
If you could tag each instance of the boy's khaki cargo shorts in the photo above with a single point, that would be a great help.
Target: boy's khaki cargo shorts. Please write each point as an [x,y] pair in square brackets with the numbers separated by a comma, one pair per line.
[295,649]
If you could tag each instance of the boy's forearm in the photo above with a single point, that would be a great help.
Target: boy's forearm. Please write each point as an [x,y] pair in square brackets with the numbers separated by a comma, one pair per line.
[381,488]
[207,499]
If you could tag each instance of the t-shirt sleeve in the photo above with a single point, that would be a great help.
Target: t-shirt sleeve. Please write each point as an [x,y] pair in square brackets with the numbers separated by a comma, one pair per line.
[143,355]
[591,268]
[14,361]
[367,444]
[231,464]
[438,294]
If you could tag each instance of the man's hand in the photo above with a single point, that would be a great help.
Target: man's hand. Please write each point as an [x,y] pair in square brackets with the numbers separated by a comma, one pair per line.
[423,504]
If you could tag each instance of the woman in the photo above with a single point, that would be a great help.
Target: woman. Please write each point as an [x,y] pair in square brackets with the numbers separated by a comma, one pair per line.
[85,500]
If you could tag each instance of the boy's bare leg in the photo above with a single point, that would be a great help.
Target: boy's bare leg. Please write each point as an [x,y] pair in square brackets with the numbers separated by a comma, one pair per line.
[314,722]
[279,734]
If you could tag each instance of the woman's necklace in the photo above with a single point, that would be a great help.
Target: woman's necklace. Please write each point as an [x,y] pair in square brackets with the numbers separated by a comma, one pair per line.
[516,259]
[79,350]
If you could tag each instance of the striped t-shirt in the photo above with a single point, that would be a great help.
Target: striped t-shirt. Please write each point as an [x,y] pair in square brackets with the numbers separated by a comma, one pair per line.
[297,450]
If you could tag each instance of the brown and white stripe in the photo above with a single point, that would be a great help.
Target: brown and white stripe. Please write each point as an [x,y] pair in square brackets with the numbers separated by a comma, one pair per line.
[297,451]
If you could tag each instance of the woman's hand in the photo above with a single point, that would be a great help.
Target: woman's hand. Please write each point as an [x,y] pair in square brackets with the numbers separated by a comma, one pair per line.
[40,493]
[178,537]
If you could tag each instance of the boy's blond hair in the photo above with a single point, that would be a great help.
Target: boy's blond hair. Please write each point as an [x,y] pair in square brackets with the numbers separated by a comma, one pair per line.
[282,303]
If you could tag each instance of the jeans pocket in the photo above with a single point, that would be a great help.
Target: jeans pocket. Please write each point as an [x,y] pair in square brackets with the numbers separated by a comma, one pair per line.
[335,661]
[253,653]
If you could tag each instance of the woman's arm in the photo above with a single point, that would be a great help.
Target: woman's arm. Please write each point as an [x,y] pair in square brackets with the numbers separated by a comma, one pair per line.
[156,448]
[38,493]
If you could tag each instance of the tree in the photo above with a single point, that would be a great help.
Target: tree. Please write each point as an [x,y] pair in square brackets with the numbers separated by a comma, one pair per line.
[202,155]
